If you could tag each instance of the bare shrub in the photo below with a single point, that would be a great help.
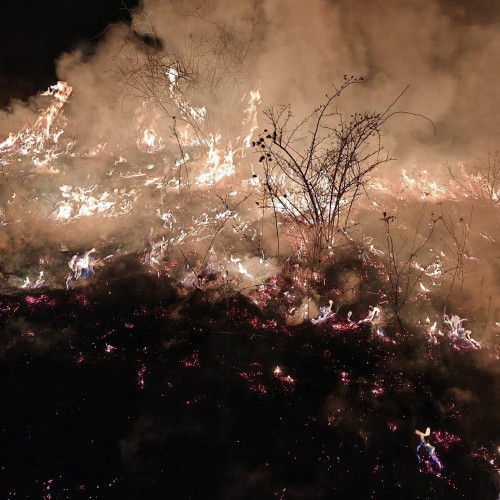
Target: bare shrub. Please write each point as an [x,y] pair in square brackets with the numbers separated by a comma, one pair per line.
[315,169]
[405,275]
[194,78]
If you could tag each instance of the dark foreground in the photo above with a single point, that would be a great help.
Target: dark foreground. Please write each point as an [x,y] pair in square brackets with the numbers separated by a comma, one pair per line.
[128,388]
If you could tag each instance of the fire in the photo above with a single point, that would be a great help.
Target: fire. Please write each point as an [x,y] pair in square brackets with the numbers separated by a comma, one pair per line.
[210,277]
[43,136]
[38,283]
[219,163]
[216,169]
[431,450]
[286,379]
[140,376]
[197,114]
[82,266]
[81,202]
[418,183]
[250,119]
[243,271]
[456,331]
[150,141]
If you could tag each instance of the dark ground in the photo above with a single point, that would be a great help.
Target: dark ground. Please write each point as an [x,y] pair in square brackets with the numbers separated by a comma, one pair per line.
[188,404]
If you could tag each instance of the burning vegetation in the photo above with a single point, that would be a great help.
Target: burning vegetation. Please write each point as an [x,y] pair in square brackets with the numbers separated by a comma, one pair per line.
[256,305]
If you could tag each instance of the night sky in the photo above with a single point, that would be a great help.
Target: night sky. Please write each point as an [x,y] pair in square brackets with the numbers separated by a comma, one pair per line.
[33,37]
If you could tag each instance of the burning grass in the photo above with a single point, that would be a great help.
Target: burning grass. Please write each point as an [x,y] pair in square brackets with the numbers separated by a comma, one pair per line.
[163,338]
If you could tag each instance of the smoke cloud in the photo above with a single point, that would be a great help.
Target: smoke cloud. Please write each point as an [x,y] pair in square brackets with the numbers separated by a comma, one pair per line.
[444,54]
[447,52]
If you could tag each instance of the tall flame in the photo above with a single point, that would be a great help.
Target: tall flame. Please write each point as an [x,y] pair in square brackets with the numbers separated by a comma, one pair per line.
[45,132]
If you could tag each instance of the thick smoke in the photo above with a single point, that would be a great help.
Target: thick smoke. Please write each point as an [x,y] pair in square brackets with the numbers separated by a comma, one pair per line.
[446,52]
[447,60]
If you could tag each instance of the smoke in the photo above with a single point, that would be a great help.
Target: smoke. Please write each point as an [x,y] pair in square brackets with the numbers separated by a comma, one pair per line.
[444,54]
[447,61]
[447,52]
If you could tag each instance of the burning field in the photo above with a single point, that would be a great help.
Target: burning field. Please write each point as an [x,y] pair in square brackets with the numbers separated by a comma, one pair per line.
[226,273]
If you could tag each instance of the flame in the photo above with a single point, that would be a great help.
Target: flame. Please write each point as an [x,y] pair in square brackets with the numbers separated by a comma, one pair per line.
[38,283]
[218,163]
[82,266]
[418,183]
[243,271]
[251,116]
[187,109]
[80,202]
[215,169]
[43,135]
[150,141]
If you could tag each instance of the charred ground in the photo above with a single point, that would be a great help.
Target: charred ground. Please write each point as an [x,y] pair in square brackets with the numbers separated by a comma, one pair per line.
[130,385]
